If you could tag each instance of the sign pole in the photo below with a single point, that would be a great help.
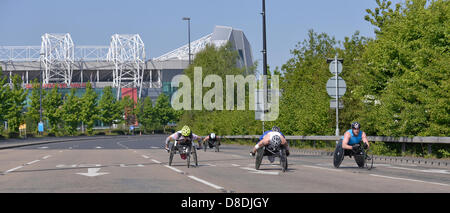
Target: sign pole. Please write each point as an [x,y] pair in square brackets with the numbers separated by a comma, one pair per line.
[337,96]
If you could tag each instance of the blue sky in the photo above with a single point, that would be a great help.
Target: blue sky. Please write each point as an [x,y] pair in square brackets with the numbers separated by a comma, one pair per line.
[92,22]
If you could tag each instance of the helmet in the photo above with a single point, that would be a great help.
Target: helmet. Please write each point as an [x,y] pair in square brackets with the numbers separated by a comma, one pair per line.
[185,131]
[212,136]
[356,125]
[276,129]
[275,142]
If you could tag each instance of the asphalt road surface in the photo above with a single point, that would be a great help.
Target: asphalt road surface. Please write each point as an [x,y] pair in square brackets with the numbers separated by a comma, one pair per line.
[140,164]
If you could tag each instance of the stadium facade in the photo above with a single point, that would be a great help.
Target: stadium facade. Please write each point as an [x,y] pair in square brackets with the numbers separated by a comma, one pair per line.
[122,65]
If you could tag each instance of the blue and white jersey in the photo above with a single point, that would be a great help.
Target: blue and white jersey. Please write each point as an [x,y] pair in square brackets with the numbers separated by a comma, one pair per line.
[267,132]
[354,139]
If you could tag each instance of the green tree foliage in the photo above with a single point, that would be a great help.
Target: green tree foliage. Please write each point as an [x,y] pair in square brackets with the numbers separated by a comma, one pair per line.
[33,115]
[164,112]
[17,104]
[70,112]
[146,115]
[219,61]
[5,94]
[407,72]
[110,110]
[51,104]
[89,110]
[304,103]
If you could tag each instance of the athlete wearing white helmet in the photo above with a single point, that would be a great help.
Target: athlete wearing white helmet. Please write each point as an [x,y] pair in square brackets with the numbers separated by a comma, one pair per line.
[271,140]
[211,138]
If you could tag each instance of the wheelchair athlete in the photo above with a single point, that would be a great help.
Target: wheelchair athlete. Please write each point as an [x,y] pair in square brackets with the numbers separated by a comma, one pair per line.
[349,144]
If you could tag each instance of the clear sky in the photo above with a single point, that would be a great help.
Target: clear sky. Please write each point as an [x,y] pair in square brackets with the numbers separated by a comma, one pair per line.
[160,24]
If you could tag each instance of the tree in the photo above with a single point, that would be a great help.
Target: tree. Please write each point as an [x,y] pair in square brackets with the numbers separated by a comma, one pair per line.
[17,104]
[89,110]
[33,114]
[70,112]
[406,72]
[109,109]
[5,94]
[164,112]
[51,103]
[146,114]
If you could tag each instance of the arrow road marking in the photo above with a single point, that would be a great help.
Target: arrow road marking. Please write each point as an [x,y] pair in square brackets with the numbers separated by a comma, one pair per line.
[259,171]
[92,172]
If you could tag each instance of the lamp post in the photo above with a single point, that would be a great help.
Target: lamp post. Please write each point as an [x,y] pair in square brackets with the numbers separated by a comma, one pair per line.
[189,35]
[264,51]
[40,125]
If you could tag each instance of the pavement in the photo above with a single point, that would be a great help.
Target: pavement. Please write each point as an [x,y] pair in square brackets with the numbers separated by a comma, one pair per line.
[132,164]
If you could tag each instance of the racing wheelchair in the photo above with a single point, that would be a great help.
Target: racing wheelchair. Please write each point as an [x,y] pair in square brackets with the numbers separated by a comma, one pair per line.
[363,155]
[279,152]
[212,144]
[185,149]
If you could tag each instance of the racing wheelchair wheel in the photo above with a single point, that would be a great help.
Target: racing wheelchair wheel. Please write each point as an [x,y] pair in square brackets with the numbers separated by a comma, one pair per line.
[259,157]
[338,155]
[283,160]
[369,159]
[172,152]
[194,154]
[216,144]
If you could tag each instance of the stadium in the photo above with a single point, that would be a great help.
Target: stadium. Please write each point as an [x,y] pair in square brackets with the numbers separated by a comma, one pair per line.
[121,65]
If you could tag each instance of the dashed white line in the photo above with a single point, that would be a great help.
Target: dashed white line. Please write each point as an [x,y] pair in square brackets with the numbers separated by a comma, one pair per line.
[317,167]
[13,169]
[439,171]
[397,178]
[154,147]
[174,169]
[29,163]
[45,157]
[235,164]
[155,161]
[145,156]
[205,182]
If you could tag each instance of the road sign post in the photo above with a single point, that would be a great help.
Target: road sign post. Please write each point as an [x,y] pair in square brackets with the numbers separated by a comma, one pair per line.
[336,86]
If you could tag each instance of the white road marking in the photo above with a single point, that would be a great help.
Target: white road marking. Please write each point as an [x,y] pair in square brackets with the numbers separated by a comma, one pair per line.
[155,161]
[92,172]
[13,169]
[396,178]
[317,167]
[124,165]
[29,163]
[205,182]
[235,164]
[98,147]
[236,156]
[439,171]
[45,157]
[154,147]
[145,156]
[210,164]
[252,170]
[174,169]
[43,147]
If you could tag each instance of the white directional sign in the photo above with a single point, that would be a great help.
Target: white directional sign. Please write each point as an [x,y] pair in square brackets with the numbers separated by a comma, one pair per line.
[331,87]
[333,104]
[333,67]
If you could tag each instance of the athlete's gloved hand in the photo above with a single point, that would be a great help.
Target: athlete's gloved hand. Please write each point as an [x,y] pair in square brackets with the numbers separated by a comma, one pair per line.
[252,154]
[355,147]
[287,153]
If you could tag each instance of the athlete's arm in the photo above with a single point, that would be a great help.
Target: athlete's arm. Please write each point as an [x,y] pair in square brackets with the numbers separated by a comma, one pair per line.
[364,139]
[345,145]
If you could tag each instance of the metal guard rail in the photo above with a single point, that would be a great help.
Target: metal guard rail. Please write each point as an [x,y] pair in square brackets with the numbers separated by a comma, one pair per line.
[434,140]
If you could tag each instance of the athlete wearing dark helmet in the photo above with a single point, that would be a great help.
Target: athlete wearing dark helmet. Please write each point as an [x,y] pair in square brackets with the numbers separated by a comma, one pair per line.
[354,136]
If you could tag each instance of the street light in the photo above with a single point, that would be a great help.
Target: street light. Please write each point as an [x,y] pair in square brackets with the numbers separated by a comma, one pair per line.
[40,125]
[189,35]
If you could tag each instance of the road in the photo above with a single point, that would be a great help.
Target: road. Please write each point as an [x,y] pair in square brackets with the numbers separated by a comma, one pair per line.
[139,164]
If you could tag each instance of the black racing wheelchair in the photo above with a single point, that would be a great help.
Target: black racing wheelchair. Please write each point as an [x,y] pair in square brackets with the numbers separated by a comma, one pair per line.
[186,149]
[212,144]
[279,152]
[362,154]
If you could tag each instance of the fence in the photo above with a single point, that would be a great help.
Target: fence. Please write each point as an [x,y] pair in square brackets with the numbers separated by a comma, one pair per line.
[387,139]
